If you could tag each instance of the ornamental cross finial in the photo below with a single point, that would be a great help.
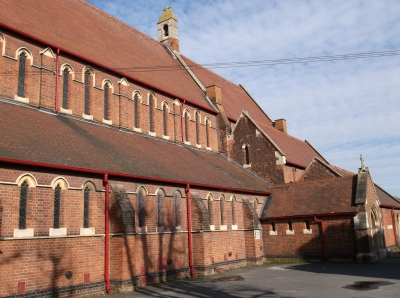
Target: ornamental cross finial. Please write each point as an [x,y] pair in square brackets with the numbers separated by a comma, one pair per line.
[362,162]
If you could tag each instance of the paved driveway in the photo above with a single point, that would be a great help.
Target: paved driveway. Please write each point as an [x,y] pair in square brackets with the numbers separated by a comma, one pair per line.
[381,279]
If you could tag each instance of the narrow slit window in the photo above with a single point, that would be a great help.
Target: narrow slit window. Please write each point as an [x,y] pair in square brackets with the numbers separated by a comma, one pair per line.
[87,92]
[221,210]
[151,112]
[23,201]
[21,75]
[273,227]
[65,88]
[177,200]
[165,113]
[210,210]
[207,134]
[106,92]
[160,203]
[141,209]
[290,226]
[136,111]
[57,205]
[86,196]
[308,225]
[247,157]
[187,127]
[166,33]
[197,128]
[233,212]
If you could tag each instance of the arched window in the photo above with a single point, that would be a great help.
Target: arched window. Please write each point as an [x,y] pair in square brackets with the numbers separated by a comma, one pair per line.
[160,205]
[106,89]
[221,209]
[233,211]
[65,88]
[57,203]
[177,201]
[21,75]
[23,201]
[151,104]
[165,114]
[87,92]
[187,127]
[208,132]
[86,196]
[166,33]
[136,111]
[141,207]
[245,148]
[197,120]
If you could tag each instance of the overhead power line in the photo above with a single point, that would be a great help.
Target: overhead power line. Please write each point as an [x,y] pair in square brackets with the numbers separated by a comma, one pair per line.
[249,63]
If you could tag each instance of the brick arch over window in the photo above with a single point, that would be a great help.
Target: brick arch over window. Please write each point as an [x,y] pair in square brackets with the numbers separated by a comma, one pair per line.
[61,181]
[165,109]
[136,108]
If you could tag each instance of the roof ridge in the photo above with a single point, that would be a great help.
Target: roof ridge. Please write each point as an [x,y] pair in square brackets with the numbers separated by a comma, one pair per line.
[313,181]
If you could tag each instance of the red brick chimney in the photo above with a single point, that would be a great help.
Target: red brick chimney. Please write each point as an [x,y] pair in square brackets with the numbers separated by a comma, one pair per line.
[214,93]
[280,125]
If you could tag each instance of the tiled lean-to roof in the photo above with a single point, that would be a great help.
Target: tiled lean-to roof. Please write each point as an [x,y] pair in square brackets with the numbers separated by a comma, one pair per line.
[386,198]
[324,196]
[30,135]
[84,30]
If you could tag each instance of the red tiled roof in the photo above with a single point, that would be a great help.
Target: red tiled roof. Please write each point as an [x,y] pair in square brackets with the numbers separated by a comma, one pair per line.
[297,152]
[31,135]
[324,196]
[80,28]
[234,98]
[385,198]
[341,171]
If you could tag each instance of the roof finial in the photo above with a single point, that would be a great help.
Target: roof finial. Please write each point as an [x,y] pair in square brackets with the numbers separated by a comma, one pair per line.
[362,162]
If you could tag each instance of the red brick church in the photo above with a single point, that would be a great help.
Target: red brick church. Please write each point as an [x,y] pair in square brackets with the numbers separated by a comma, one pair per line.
[123,162]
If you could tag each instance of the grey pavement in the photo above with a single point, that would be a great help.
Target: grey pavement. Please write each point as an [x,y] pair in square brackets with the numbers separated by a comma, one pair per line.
[380,279]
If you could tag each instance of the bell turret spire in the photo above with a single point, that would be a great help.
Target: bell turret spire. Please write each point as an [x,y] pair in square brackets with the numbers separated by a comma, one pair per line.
[167,27]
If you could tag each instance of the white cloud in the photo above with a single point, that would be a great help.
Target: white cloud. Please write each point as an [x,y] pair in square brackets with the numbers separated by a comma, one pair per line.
[343,108]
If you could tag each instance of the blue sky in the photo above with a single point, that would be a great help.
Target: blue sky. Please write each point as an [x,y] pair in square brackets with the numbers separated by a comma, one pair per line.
[343,108]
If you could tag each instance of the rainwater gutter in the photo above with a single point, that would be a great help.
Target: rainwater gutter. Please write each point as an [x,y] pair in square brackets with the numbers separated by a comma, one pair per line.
[107,234]
[189,227]
[212,111]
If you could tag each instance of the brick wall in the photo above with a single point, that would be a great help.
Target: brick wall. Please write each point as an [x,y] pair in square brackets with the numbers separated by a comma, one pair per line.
[40,88]
[261,152]
[317,171]
[340,239]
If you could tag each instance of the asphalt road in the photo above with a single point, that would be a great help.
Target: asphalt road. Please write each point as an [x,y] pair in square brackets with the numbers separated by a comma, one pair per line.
[381,279]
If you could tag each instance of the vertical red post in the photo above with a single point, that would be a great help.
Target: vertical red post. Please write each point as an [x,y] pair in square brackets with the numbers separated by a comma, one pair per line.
[323,237]
[107,234]
[189,227]
[57,71]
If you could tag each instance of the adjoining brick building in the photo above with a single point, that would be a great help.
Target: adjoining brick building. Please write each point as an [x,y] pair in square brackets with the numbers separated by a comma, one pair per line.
[116,173]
